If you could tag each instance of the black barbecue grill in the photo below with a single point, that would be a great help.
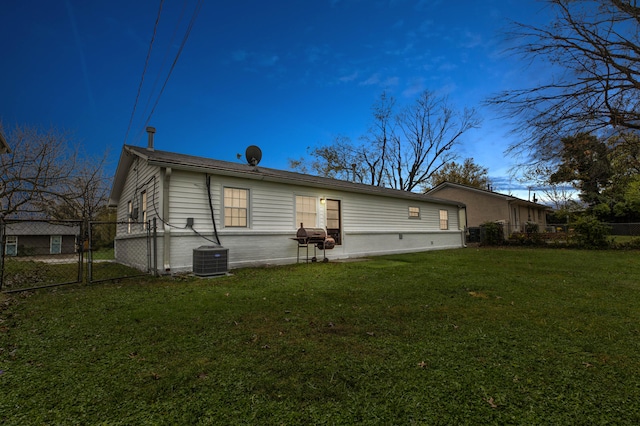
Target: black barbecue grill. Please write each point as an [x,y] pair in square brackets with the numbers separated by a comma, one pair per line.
[316,237]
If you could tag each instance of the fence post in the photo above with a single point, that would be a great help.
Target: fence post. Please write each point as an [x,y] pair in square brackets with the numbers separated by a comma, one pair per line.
[84,229]
[89,256]
[2,243]
[147,226]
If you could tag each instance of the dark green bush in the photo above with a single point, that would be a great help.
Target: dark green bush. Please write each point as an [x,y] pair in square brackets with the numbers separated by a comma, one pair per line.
[531,228]
[590,232]
[633,244]
[491,234]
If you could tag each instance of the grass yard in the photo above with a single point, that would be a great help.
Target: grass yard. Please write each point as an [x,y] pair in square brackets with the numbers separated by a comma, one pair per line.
[28,274]
[470,336]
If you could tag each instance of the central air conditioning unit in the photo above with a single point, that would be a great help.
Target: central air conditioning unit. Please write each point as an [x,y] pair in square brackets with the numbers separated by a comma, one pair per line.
[210,260]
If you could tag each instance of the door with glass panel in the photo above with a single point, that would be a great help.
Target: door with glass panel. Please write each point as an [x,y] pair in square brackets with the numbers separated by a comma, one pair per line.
[334,221]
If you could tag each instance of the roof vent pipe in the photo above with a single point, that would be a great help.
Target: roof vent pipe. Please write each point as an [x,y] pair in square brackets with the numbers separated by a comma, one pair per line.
[150,131]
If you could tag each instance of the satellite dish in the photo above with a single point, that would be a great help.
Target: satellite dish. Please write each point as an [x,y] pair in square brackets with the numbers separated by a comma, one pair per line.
[253,154]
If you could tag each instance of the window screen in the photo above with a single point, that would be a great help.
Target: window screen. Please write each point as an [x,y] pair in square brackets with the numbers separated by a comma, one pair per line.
[306,211]
[235,207]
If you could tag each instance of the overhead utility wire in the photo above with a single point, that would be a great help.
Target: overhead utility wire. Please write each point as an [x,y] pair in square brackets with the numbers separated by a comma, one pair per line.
[146,64]
[164,62]
[173,65]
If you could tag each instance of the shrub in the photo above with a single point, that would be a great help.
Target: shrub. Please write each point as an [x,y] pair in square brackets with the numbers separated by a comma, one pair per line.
[491,234]
[590,232]
[633,244]
[531,228]
[602,211]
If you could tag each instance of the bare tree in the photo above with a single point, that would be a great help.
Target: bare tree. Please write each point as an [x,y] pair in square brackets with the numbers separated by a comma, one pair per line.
[595,44]
[378,142]
[83,195]
[558,196]
[429,129]
[400,151]
[45,176]
[339,160]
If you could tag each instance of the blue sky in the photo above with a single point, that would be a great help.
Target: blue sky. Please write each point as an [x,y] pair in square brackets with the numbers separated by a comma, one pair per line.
[283,75]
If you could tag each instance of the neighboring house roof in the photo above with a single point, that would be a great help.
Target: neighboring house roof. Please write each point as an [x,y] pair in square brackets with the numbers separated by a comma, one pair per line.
[497,195]
[207,165]
[41,228]
[4,146]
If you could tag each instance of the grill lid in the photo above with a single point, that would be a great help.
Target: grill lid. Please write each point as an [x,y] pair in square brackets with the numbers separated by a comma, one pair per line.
[311,233]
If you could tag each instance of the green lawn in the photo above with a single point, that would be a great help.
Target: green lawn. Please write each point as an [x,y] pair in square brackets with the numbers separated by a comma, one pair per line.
[103,254]
[470,336]
[25,273]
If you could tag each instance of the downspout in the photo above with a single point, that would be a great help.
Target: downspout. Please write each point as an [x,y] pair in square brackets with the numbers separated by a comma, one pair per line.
[462,212]
[165,177]
[512,220]
[213,218]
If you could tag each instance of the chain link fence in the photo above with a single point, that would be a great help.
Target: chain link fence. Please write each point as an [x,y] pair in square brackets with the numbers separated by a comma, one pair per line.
[108,260]
[46,253]
[40,253]
[551,232]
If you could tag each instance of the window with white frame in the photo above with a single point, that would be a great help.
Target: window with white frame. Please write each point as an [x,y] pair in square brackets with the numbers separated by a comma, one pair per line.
[414,212]
[55,245]
[306,211]
[444,219]
[11,245]
[236,207]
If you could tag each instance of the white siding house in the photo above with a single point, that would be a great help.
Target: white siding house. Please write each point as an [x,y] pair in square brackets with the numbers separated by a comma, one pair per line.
[258,210]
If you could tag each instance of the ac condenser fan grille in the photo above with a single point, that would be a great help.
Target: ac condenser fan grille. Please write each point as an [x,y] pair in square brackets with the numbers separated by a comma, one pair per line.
[210,260]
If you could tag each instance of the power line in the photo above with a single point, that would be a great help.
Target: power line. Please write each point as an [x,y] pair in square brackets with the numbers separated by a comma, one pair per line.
[184,41]
[146,64]
[164,59]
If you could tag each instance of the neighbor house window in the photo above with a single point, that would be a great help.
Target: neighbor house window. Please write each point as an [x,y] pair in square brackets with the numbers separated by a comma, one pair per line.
[55,246]
[306,211]
[143,209]
[414,212]
[444,219]
[129,216]
[236,207]
[11,245]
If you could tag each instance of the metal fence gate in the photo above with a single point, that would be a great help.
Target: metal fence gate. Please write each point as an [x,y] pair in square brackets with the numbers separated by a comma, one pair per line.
[45,253]
[109,258]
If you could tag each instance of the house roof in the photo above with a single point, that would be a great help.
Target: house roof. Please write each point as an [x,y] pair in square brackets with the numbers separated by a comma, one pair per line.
[508,198]
[42,228]
[208,165]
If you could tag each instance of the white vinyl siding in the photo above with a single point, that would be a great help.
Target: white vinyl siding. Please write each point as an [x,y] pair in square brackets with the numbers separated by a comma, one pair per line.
[270,207]
[142,178]
[306,211]
[236,207]
[368,213]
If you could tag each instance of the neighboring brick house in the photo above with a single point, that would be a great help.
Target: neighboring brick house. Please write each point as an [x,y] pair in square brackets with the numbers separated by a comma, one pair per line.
[489,206]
